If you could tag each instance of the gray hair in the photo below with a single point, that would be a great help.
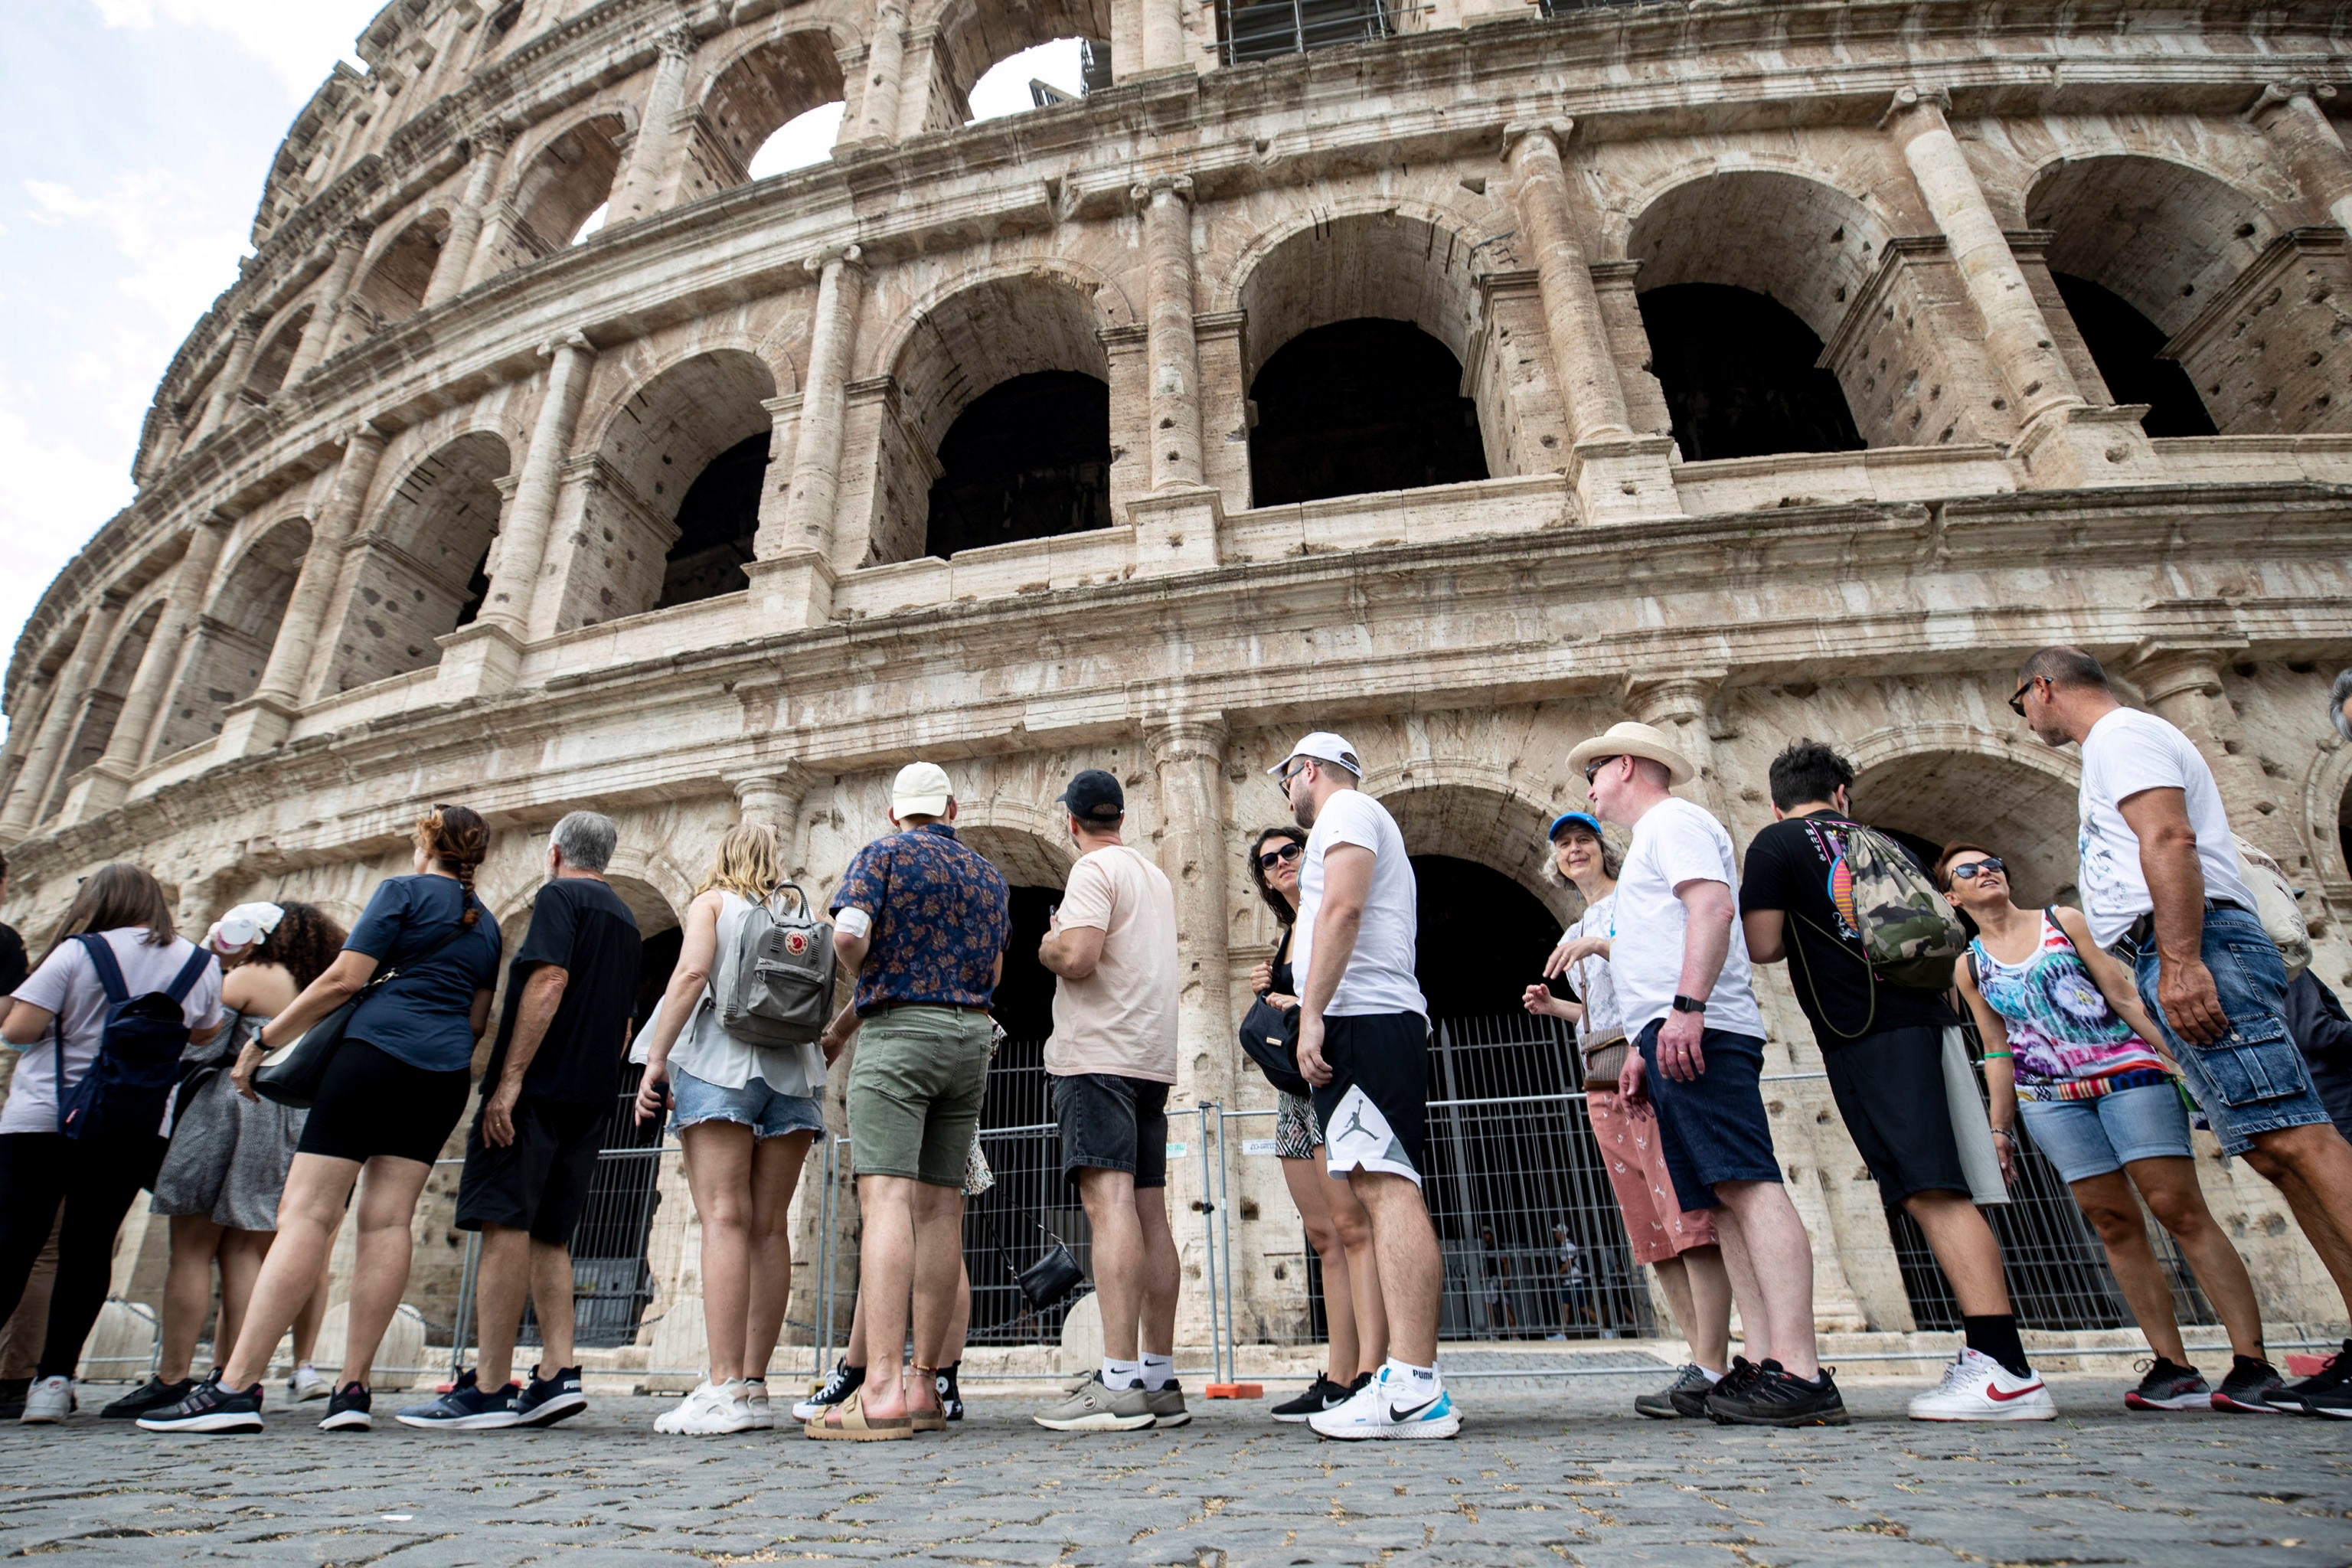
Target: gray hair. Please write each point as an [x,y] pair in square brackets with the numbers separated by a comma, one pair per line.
[2338,695]
[587,839]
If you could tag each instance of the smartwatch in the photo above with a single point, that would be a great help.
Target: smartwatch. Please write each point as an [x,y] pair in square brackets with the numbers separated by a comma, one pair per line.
[1690,1004]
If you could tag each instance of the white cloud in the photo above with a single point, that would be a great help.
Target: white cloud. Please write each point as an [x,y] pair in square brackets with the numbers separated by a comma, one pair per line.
[296,39]
[58,494]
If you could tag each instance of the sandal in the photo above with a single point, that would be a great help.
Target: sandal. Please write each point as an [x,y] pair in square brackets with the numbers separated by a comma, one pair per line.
[935,1418]
[848,1423]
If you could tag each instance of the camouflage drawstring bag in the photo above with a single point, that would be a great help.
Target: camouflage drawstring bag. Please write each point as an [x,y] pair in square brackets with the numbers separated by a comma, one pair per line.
[1908,934]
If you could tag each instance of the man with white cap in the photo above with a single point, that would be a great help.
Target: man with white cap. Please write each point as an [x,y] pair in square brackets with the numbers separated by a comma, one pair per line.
[921,919]
[1680,963]
[1363,1044]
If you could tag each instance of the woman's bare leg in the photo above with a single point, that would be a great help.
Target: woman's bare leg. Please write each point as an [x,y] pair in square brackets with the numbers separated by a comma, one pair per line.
[1306,1180]
[317,1188]
[387,1211]
[719,1156]
[775,1174]
[188,1295]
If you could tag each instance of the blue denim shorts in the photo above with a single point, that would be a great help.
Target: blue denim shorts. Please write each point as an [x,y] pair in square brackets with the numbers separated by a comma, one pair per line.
[1712,1129]
[2251,1080]
[756,1106]
[2086,1138]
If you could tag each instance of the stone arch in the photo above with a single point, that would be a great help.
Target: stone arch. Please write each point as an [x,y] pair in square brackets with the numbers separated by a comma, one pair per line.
[561,180]
[420,568]
[1476,814]
[276,354]
[2164,235]
[2327,818]
[229,646]
[655,890]
[750,94]
[103,704]
[1402,260]
[394,280]
[1946,781]
[973,35]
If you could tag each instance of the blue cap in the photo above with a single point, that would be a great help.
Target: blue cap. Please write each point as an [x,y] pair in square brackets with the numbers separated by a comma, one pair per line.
[1581,818]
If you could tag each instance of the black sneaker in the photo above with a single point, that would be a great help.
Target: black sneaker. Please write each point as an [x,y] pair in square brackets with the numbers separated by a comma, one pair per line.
[2169,1386]
[1687,1395]
[1320,1395]
[1777,1398]
[2328,1386]
[2247,1390]
[350,1410]
[544,1401]
[208,1407]
[152,1395]
[839,1383]
[950,1396]
[467,1408]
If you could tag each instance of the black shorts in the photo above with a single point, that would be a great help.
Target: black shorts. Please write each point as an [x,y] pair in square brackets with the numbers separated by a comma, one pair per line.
[1890,1093]
[1112,1123]
[1375,1106]
[373,1103]
[539,1182]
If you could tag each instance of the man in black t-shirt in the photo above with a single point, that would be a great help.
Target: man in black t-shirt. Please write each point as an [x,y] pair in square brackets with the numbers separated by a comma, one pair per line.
[1882,1048]
[532,1155]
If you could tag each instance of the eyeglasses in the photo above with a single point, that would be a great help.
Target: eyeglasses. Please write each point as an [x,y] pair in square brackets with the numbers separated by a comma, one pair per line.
[1274,857]
[2017,697]
[1975,868]
[1594,766]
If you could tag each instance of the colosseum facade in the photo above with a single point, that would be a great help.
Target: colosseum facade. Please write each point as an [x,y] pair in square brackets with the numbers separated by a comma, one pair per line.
[1462,375]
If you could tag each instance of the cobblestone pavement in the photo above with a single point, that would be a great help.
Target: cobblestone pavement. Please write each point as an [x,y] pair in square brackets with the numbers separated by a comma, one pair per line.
[1535,1476]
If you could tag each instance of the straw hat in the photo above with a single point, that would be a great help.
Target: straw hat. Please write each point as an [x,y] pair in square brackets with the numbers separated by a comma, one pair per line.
[1632,740]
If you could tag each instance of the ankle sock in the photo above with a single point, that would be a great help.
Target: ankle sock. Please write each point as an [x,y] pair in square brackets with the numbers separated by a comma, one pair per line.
[1404,1374]
[1711,1376]
[1121,1374]
[1995,1335]
[1158,1371]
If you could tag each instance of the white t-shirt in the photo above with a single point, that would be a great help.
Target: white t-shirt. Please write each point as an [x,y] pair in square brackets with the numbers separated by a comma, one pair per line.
[1121,1019]
[68,987]
[1379,977]
[2125,752]
[1596,986]
[1676,842]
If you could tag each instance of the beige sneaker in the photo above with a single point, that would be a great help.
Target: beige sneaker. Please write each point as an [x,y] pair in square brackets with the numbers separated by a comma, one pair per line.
[1092,1407]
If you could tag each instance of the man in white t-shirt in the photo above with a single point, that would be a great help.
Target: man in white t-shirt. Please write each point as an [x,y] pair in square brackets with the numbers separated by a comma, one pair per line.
[1363,1044]
[2163,891]
[1109,1063]
[1680,962]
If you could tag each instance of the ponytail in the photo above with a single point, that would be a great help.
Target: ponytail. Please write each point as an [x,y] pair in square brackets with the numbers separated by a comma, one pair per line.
[459,839]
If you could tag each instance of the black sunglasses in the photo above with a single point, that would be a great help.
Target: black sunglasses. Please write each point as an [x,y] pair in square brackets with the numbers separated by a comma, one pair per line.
[2017,697]
[1975,868]
[1274,857]
[1594,766]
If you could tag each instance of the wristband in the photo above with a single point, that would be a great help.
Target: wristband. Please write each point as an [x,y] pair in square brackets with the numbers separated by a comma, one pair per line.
[1999,1056]
[852,921]
[2004,1132]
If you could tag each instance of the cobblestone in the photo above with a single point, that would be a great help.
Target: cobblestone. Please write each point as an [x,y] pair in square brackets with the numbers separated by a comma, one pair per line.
[1536,1478]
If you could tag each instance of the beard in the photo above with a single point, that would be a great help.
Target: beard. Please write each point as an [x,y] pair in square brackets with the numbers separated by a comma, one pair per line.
[1303,811]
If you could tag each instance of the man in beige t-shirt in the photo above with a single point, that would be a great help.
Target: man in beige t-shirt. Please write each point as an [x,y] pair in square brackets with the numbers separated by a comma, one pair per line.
[1112,949]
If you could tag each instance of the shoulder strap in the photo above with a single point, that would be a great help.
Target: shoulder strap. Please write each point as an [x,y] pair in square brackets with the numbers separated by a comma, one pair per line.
[1975,979]
[190,972]
[2050,913]
[430,953]
[109,971]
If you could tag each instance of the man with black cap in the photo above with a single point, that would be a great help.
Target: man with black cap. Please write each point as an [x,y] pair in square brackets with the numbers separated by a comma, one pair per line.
[1112,1058]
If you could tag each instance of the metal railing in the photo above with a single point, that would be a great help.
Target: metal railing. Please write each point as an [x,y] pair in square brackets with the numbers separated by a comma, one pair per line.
[1267,29]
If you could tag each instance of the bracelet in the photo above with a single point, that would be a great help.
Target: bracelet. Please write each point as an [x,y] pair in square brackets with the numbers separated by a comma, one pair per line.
[1999,1056]
[2004,1132]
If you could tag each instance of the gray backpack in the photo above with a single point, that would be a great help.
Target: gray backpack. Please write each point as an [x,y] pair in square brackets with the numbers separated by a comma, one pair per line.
[774,985]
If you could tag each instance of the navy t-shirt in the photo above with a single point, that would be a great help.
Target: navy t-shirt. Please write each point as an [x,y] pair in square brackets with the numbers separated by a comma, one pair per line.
[581,926]
[424,1015]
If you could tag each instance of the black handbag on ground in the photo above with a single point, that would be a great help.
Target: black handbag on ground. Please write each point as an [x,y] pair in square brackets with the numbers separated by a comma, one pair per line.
[291,1074]
[1047,1280]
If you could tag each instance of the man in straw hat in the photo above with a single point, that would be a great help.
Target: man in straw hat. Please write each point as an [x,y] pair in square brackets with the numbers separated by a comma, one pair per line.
[1681,967]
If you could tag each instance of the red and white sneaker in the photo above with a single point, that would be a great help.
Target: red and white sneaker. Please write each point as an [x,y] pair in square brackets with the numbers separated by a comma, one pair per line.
[1977,1388]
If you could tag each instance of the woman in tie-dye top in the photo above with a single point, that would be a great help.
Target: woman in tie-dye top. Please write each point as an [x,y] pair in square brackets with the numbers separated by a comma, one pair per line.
[2066,1044]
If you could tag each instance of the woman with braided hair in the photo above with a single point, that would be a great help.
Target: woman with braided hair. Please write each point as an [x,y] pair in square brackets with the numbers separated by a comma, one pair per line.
[393,1093]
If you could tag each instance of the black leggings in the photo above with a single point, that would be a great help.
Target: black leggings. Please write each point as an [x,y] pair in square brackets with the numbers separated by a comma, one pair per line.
[95,1180]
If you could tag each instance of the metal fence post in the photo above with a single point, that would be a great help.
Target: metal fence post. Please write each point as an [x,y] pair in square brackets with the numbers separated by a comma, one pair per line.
[1208,1221]
[1225,1240]
[824,1336]
[466,1280]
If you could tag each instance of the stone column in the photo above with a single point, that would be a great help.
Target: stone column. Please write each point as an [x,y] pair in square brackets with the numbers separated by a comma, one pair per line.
[126,749]
[327,305]
[655,144]
[776,484]
[919,72]
[2293,116]
[231,384]
[2183,687]
[1175,384]
[23,808]
[816,458]
[1679,705]
[522,547]
[775,795]
[488,145]
[885,63]
[1163,36]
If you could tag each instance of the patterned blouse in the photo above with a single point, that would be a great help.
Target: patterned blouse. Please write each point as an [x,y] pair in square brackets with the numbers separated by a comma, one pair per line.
[2065,1041]
[941,915]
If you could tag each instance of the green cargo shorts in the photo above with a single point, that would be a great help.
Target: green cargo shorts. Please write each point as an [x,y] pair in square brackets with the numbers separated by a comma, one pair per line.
[915,1088]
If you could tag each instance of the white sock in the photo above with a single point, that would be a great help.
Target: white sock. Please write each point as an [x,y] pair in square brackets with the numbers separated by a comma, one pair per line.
[1158,1371]
[1404,1374]
[1121,1374]
[1711,1376]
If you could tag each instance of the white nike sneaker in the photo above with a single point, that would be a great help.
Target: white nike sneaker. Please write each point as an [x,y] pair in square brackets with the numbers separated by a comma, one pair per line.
[306,1384]
[48,1402]
[755,1393]
[711,1410]
[1977,1388]
[1388,1407]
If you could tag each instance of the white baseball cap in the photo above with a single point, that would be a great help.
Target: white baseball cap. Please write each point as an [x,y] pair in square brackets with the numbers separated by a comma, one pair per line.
[1322,746]
[921,789]
[243,926]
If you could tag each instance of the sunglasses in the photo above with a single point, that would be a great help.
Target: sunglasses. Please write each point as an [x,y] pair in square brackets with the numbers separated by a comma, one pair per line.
[1274,857]
[2017,697]
[1594,766]
[1975,868]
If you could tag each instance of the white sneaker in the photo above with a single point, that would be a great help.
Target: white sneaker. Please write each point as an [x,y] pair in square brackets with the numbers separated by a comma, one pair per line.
[1977,1388]
[306,1385]
[711,1410]
[48,1402]
[755,1395]
[1385,1409]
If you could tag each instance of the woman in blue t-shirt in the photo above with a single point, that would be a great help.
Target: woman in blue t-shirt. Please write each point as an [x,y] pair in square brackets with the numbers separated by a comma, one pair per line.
[391,1095]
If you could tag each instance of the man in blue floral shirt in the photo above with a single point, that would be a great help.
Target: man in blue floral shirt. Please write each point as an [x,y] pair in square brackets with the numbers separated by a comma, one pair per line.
[921,919]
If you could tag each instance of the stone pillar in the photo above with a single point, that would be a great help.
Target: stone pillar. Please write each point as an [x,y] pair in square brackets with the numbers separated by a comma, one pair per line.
[1175,374]
[2183,687]
[2293,116]
[884,64]
[231,384]
[487,144]
[809,521]
[919,74]
[776,484]
[1619,477]
[523,545]
[23,808]
[327,305]
[1163,36]
[775,795]
[1678,706]
[126,749]
[655,144]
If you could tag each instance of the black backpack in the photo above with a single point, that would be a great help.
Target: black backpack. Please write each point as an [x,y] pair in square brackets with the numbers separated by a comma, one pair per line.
[138,1064]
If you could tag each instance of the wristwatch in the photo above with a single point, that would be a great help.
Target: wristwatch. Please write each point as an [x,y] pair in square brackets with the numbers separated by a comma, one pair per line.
[1690,1004]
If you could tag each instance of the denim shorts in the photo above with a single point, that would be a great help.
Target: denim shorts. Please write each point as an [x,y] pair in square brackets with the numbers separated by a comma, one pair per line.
[2252,1079]
[1712,1128]
[2086,1138]
[756,1106]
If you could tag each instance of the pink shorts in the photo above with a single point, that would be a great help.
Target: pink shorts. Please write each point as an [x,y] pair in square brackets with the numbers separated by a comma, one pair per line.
[1657,1225]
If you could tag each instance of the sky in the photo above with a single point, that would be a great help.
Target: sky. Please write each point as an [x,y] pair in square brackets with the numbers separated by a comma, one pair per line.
[132,159]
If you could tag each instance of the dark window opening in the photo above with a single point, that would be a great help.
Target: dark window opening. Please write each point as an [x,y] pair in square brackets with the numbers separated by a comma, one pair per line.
[1264,29]
[1484,939]
[1739,372]
[478,591]
[716,524]
[1358,408]
[1028,459]
[2128,348]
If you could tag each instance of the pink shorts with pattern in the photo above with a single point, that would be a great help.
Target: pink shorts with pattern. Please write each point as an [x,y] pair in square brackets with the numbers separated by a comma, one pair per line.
[1658,1226]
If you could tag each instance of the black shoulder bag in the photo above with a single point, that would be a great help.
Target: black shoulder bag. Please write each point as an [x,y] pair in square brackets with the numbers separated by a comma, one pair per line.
[1046,1281]
[1269,1036]
[291,1074]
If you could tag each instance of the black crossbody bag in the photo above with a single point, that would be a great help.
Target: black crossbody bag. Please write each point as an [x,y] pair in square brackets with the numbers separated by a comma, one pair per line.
[1269,1036]
[1046,1281]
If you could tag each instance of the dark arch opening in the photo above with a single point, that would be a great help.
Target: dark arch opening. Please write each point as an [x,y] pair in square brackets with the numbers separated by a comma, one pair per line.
[718,518]
[2128,348]
[1028,459]
[1484,938]
[1360,407]
[1741,375]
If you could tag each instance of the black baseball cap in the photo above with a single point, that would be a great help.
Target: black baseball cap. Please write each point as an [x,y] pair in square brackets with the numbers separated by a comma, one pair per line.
[1094,795]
